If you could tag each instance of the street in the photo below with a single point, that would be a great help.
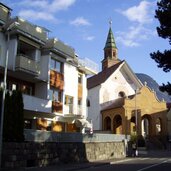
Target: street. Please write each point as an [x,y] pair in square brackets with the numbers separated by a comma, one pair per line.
[148,161]
[136,164]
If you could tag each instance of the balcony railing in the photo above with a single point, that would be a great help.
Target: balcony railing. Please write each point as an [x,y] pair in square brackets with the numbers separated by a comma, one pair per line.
[30,30]
[60,47]
[28,65]
[36,104]
[75,110]
[69,109]
[3,14]
[89,66]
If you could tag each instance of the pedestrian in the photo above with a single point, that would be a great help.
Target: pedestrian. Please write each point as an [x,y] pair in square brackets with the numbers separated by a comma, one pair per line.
[134,149]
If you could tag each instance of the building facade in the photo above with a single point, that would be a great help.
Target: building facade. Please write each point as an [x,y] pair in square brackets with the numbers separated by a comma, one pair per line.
[119,102]
[50,75]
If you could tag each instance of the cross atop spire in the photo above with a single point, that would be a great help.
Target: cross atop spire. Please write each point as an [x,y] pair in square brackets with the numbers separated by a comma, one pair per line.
[110,42]
[110,22]
[110,50]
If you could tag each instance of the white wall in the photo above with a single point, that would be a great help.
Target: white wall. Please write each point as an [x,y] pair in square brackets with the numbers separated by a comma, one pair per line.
[113,85]
[71,84]
[103,95]
[84,96]
[94,108]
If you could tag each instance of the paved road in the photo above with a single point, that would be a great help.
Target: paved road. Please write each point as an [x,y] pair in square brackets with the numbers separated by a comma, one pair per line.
[136,164]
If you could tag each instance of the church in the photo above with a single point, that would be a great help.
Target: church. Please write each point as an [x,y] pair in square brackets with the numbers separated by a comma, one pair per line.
[120,103]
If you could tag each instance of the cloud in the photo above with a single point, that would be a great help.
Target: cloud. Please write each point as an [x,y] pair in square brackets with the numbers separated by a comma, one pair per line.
[80,21]
[141,16]
[134,36]
[43,9]
[54,6]
[89,38]
[27,14]
[142,13]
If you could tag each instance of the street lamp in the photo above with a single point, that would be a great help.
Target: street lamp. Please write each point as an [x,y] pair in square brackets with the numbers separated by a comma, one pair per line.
[136,117]
[8,29]
[136,120]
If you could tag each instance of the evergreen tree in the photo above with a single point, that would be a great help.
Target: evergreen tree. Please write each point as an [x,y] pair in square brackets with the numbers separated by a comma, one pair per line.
[18,116]
[8,124]
[13,127]
[163,59]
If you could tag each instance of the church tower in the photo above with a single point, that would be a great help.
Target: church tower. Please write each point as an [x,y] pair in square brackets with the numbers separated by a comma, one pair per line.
[110,51]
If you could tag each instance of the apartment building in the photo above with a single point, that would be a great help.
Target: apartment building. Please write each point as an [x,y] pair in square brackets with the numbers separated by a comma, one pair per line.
[48,72]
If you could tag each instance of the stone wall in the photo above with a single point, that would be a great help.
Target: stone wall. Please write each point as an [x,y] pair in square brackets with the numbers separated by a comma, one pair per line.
[29,154]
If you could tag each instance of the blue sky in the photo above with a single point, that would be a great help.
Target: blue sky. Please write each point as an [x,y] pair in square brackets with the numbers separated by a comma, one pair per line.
[84,25]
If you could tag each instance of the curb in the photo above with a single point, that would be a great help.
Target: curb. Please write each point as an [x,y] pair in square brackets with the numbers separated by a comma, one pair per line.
[87,166]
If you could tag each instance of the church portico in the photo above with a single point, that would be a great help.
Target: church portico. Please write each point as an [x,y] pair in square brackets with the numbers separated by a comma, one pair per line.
[124,119]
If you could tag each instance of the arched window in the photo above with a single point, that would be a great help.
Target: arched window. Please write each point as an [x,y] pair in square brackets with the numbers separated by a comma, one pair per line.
[121,94]
[88,103]
[158,126]
[117,124]
[107,124]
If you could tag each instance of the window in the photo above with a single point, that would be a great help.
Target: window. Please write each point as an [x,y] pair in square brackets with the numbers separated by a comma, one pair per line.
[27,123]
[68,100]
[79,102]
[26,89]
[88,103]
[56,65]
[121,94]
[11,86]
[79,78]
[55,95]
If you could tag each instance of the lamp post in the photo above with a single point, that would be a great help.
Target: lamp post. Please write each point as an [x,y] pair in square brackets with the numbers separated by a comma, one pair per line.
[8,29]
[136,121]
[136,118]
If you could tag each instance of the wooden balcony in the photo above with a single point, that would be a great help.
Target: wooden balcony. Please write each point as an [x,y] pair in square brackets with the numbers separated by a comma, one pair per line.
[56,80]
[80,91]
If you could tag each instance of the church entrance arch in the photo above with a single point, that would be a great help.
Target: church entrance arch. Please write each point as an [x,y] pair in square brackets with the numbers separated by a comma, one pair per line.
[107,124]
[117,124]
[158,126]
[132,125]
[145,124]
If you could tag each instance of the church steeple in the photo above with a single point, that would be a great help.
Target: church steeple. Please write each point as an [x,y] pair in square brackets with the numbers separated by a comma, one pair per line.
[110,51]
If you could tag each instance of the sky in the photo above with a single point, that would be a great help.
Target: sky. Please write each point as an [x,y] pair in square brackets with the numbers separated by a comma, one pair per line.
[84,25]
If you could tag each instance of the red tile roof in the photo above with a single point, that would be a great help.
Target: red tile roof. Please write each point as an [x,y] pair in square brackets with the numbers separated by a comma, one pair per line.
[102,76]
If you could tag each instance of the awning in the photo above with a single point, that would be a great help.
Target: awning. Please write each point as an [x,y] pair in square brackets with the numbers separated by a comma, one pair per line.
[83,123]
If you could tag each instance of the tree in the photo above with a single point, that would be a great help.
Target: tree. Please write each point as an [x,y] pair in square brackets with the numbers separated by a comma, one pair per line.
[13,127]
[18,108]
[163,14]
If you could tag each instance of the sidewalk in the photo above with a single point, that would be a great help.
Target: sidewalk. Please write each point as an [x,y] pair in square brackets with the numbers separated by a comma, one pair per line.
[79,166]
[71,166]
